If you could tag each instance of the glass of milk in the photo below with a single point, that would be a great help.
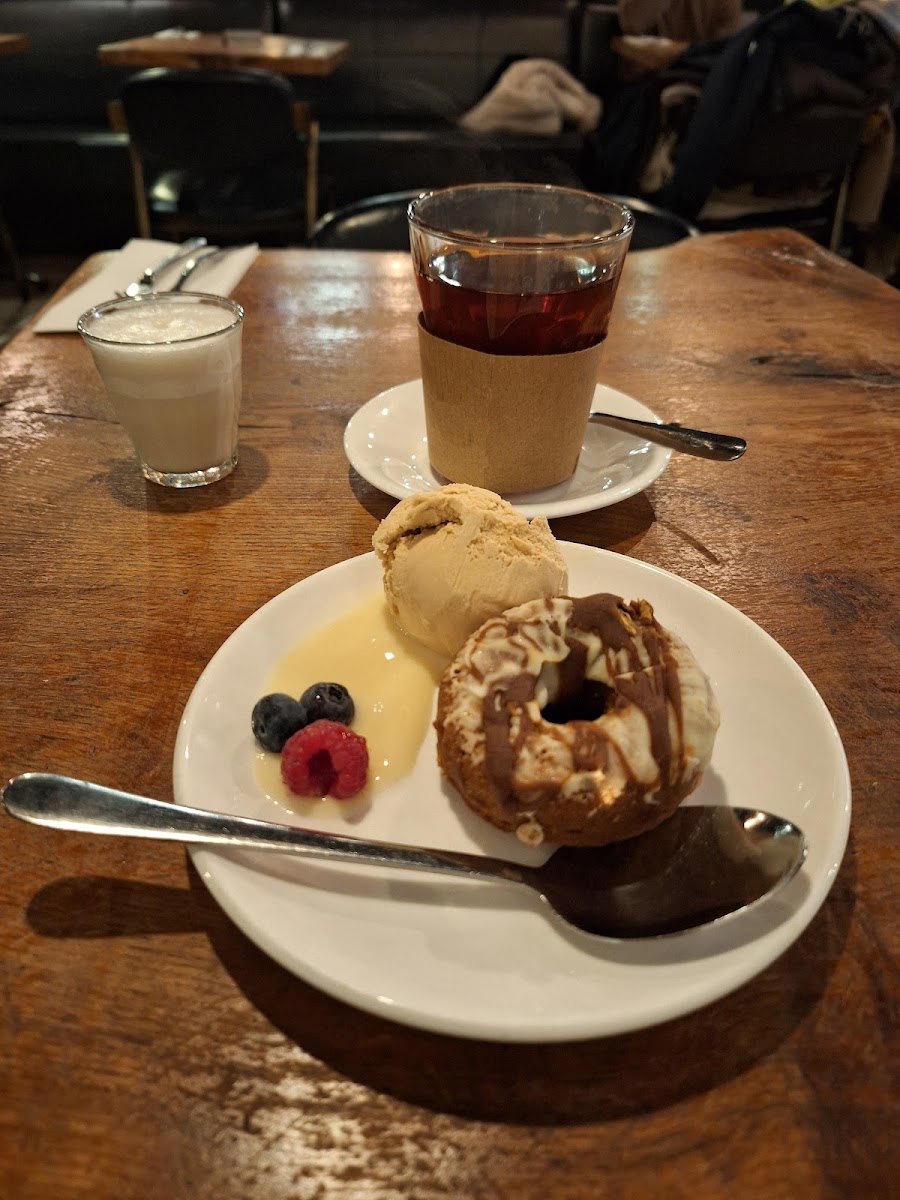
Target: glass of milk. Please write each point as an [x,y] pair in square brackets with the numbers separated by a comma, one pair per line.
[171,366]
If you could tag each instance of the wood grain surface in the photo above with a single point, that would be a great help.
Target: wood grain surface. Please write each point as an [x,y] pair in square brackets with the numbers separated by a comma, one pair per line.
[271,52]
[14,43]
[148,1049]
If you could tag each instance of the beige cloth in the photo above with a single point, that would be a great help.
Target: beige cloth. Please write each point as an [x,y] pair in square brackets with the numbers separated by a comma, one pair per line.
[535,95]
[681,20]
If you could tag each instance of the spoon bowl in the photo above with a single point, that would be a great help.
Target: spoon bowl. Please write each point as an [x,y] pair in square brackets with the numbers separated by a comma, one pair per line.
[701,866]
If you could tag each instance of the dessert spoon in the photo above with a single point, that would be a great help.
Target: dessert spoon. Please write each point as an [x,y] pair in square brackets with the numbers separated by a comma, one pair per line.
[700,866]
[699,442]
[147,281]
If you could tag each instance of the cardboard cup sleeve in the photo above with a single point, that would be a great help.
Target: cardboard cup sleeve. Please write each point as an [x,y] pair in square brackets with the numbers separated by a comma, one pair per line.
[510,423]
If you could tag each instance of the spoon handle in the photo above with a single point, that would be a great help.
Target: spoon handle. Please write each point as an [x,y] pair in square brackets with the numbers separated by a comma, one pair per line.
[720,446]
[73,804]
[150,273]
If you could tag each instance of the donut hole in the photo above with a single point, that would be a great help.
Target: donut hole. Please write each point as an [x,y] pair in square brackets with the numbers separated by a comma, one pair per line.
[586,702]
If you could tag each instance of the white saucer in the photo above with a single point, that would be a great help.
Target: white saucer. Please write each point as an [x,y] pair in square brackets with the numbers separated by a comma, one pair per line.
[385,442]
[486,960]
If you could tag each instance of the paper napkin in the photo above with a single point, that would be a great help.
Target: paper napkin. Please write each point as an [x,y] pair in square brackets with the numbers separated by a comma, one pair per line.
[220,278]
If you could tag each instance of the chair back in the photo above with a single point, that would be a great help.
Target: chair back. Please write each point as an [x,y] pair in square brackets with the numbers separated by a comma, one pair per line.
[374,223]
[233,120]
[231,151]
[782,112]
[379,223]
[654,226]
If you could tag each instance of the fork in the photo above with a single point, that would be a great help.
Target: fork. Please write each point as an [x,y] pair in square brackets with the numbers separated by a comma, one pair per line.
[147,281]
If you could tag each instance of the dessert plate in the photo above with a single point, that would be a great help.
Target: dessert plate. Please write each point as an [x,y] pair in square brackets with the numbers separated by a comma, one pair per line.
[482,960]
[385,442]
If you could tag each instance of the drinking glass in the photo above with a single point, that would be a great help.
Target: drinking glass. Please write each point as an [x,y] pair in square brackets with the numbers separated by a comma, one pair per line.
[516,268]
[171,366]
[517,283]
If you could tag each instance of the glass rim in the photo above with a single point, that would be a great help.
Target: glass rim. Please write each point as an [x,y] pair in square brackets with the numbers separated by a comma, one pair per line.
[166,297]
[536,243]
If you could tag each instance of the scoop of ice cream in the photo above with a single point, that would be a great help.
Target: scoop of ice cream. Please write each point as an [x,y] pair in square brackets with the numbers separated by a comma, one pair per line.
[454,557]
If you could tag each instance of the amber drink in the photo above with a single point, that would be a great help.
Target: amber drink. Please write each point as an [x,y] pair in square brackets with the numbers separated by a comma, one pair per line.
[517,284]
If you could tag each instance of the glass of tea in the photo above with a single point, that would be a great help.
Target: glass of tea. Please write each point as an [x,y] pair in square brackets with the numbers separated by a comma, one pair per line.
[517,283]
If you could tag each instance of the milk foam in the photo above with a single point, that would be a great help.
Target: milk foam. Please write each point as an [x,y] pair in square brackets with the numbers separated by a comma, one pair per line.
[165,323]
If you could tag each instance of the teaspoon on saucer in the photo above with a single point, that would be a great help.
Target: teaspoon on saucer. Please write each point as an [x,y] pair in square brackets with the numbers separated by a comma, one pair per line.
[701,444]
[699,867]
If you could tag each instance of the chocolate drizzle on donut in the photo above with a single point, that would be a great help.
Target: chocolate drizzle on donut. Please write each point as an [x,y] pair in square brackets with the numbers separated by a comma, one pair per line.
[653,687]
[565,718]
[500,747]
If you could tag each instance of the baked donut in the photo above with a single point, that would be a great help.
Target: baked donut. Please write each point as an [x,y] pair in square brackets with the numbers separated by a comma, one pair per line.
[579,721]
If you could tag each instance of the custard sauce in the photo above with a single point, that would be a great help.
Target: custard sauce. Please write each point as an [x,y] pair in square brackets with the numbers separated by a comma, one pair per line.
[392,680]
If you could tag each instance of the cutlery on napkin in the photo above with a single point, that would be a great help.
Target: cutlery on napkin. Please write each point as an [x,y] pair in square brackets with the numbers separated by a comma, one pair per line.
[219,278]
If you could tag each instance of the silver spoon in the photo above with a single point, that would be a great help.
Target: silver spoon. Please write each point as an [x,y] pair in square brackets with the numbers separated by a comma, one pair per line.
[147,281]
[720,446]
[700,866]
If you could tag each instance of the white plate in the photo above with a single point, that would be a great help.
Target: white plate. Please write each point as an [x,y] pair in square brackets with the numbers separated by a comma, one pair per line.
[485,960]
[385,442]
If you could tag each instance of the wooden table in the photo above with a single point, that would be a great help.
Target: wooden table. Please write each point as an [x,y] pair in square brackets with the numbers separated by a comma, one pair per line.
[149,1049]
[272,52]
[14,43]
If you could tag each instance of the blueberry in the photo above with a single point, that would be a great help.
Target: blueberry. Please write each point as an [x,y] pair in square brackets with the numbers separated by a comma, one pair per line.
[276,718]
[327,702]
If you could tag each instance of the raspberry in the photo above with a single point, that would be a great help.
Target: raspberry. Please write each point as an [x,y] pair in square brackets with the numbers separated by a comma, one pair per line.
[325,759]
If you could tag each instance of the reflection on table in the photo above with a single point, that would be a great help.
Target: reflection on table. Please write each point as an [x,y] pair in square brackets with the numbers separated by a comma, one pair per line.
[13,43]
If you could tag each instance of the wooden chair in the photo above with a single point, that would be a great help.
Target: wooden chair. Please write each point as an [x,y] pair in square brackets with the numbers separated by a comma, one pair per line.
[229,154]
